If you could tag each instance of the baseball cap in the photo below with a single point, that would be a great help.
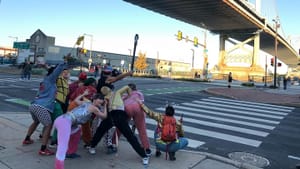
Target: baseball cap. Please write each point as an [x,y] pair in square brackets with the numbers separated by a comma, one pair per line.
[82,76]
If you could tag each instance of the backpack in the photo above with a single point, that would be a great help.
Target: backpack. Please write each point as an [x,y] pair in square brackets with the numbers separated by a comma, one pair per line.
[168,130]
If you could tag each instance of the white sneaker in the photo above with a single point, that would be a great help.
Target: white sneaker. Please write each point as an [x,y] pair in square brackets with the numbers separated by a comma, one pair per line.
[146,160]
[53,146]
[92,150]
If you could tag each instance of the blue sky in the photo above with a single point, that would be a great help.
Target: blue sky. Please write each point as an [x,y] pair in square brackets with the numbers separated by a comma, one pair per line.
[113,24]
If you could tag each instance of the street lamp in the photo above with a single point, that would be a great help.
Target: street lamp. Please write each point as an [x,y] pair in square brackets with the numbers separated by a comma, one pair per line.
[193,58]
[276,44]
[90,60]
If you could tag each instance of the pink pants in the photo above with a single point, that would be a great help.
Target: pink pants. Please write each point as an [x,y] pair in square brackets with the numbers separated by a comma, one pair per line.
[67,140]
[135,112]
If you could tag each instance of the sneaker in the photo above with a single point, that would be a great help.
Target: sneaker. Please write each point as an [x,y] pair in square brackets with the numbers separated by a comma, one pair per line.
[72,156]
[148,152]
[52,145]
[92,150]
[46,152]
[146,160]
[172,156]
[111,150]
[27,142]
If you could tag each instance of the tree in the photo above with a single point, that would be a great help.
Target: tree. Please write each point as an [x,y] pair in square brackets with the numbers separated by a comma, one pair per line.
[141,61]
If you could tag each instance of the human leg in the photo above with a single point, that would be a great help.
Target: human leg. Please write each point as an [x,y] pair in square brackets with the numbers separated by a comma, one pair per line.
[63,126]
[120,120]
[44,117]
[56,113]
[31,129]
[86,133]
[104,126]
[74,141]
[33,126]
[134,110]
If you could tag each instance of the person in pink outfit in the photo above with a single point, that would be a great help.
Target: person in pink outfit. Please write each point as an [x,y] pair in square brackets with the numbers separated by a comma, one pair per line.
[67,125]
[135,112]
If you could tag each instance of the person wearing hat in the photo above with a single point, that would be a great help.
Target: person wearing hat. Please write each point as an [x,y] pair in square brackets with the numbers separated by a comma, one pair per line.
[81,78]
[42,107]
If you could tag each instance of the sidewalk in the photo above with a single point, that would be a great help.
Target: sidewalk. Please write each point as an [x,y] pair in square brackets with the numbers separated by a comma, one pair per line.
[13,155]
[289,97]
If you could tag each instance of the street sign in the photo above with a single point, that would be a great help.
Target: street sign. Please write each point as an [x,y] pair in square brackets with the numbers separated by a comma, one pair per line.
[21,45]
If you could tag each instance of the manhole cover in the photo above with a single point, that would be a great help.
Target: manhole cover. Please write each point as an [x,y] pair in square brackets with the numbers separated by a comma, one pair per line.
[249,158]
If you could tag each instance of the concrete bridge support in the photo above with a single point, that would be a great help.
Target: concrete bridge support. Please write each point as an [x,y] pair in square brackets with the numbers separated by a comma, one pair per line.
[238,53]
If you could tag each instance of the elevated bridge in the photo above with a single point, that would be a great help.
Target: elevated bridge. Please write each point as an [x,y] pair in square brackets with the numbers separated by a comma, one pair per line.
[231,19]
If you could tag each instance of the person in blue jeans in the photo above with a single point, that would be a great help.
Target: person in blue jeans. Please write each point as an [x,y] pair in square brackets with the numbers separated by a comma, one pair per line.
[169,147]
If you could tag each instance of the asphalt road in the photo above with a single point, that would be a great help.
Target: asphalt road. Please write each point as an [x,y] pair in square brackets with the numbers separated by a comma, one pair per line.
[213,124]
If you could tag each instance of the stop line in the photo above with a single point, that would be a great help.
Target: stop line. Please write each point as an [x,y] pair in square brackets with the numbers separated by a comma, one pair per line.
[242,122]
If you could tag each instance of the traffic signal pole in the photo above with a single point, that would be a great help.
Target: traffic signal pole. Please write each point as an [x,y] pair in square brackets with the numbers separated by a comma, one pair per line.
[275,58]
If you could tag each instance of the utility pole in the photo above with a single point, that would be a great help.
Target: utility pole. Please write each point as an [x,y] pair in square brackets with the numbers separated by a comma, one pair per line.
[276,44]
[266,68]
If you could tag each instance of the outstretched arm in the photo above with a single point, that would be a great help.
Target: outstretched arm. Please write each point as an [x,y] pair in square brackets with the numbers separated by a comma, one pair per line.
[97,112]
[119,77]
[78,100]
[154,115]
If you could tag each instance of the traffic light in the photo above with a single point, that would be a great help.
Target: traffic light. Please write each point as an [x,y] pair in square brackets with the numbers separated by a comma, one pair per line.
[272,61]
[195,41]
[82,50]
[279,64]
[79,40]
[179,35]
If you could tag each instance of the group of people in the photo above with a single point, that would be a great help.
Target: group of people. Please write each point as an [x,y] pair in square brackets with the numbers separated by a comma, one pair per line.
[68,111]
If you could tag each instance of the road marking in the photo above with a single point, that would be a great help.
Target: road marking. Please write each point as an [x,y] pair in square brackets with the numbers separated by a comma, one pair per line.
[227,115]
[268,127]
[192,143]
[213,134]
[294,157]
[19,101]
[227,127]
[233,111]
[255,103]
[245,107]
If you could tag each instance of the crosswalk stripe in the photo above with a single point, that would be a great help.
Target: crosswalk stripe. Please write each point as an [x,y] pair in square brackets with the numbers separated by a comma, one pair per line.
[251,105]
[240,107]
[263,126]
[255,103]
[226,127]
[192,143]
[233,111]
[228,115]
[222,136]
